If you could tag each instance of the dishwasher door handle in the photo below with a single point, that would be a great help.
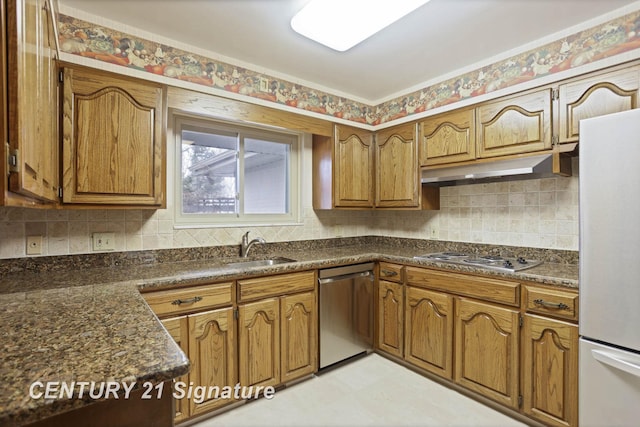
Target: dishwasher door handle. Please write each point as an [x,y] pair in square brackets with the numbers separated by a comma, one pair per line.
[345,277]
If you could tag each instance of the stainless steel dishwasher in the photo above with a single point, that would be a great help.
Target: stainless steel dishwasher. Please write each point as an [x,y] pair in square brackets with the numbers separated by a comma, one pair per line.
[346,312]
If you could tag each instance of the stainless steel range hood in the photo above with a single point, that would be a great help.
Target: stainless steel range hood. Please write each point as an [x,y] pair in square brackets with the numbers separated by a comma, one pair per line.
[538,166]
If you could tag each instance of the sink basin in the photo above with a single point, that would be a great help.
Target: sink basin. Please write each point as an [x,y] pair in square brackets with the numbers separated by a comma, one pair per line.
[260,262]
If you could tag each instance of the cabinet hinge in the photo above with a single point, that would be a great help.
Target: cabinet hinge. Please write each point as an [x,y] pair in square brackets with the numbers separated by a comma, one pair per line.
[555,140]
[236,313]
[61,76]
[13,159]
[555,94]
[520,401]
[521,321]
[60,192]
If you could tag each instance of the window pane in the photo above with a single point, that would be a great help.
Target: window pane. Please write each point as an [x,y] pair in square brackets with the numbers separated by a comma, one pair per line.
[209,172]
[266,171]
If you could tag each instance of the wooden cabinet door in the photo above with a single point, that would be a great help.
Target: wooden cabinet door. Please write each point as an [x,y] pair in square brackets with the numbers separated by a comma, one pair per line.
[178,328]
[486,355]
[113,139]
[447,138]
[429,331]
[259,336]
[596,96]
[515,125]
[32,92]
[397,179]
[390,315]
[212,356]
[299,337]
[353,167]
[550,371]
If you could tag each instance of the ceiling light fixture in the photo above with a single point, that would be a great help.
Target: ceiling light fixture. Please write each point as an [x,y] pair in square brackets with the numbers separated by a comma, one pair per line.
[342,24]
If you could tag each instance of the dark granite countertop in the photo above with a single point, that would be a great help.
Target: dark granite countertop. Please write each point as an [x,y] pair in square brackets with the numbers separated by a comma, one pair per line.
[93,325]
[103,333]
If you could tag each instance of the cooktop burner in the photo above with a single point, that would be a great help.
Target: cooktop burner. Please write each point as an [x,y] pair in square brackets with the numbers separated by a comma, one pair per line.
[492,262]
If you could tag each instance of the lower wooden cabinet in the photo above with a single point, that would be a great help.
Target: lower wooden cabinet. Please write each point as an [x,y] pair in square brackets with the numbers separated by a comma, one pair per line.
[259,339]
[208,341]
[390,317]
[178,328]
[429,331]
[299,336]
[487,342]
[212,355]
[278,339]
[550,370]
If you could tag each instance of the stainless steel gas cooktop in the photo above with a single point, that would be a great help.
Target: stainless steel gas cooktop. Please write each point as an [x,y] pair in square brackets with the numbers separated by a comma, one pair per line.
[490,262]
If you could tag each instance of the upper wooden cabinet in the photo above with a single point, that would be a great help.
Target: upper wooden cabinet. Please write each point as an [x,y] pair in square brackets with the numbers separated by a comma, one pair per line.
[397,178]
[113,139]
[350,171]
[448,137]
[518,124]
[30,103]
[354,151]
[596,96]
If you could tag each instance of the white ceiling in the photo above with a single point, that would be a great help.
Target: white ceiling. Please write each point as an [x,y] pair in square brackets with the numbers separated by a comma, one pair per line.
[439,38]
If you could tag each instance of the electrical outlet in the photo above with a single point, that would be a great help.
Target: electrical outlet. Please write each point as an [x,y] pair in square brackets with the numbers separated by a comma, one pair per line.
[34,245]
[103,241]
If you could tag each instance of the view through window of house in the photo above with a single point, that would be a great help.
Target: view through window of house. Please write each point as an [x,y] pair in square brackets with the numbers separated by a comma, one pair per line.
[236,174]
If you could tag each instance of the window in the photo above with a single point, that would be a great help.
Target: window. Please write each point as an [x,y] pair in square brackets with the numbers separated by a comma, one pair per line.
[231,174]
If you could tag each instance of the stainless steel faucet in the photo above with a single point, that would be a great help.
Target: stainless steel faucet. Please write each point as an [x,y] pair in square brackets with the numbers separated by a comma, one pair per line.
[246,244]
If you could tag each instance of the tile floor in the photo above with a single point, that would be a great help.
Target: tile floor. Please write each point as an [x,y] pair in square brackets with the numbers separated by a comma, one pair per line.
[371,391]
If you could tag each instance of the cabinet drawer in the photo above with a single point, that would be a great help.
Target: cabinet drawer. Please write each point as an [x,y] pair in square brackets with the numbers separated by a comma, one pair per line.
[484,288]
[264,287]
[552,302]
[391,272]
[190,299]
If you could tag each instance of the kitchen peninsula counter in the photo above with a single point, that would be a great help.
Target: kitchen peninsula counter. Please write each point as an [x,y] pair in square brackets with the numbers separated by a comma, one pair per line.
[92,324]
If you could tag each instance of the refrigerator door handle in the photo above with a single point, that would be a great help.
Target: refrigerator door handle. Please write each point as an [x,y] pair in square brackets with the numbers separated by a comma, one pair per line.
[616,362]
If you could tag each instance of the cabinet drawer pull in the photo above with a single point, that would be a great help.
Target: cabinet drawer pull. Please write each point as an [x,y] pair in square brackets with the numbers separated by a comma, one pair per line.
[389,273]
[186,301]
[558,305]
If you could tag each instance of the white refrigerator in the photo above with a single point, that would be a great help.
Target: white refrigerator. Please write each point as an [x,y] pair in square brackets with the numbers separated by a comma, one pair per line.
[609,198]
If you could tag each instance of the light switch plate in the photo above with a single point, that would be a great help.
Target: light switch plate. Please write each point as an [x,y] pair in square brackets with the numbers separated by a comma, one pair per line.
[103,241]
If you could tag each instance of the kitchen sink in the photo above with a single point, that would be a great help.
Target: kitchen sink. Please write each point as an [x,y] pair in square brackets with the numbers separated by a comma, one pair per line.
[260,262]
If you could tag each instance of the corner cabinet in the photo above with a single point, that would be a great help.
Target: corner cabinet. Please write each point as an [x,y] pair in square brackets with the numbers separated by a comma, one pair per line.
[29,92]
[397,175]
[351,171]
[594,96]
[514,125]
[113,133]
[201,321]
[354,151]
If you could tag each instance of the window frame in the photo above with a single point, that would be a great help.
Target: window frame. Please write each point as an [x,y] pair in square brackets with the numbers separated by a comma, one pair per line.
[245,130]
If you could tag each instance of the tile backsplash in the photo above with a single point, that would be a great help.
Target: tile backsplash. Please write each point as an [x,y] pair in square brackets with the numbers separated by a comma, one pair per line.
[541,213]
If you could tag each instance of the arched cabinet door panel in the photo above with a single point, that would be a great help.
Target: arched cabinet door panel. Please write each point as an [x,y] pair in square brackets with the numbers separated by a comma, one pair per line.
[519,124]
[594,96]
[113,139]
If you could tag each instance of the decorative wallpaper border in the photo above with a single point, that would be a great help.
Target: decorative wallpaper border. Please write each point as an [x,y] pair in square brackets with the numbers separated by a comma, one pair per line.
[89,40]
